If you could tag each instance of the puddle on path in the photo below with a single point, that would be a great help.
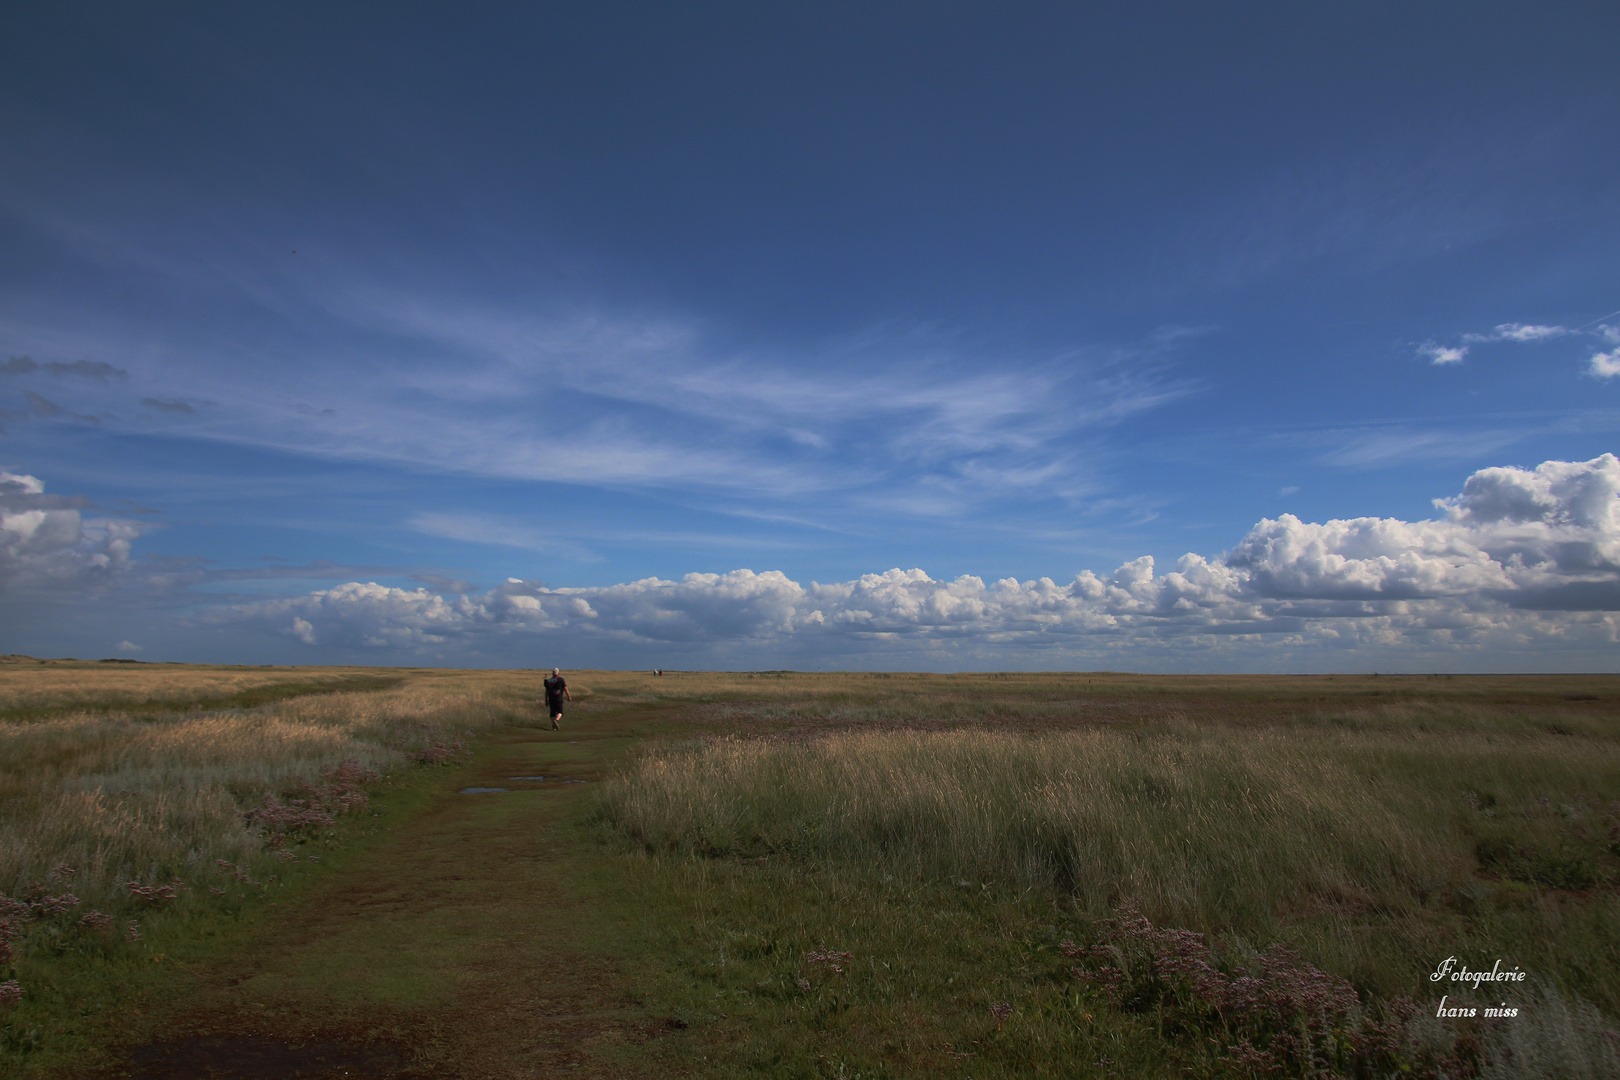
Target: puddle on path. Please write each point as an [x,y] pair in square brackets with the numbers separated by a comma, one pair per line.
[254,1058]
[531,779]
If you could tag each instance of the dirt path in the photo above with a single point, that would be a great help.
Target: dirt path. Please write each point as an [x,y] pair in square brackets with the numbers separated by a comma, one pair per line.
[463,944]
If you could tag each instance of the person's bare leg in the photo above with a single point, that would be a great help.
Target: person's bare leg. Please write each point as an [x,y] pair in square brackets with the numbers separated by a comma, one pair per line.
[554,718]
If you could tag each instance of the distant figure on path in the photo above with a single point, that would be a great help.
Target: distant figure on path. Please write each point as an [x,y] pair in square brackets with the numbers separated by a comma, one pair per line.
[556,694]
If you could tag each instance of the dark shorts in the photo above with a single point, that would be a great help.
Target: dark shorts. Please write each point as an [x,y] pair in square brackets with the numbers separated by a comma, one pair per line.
[554,705]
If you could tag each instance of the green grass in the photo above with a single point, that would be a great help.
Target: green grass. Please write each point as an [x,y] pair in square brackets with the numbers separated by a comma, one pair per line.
[81,987]
[1357,846]
[956,853]
[969,841]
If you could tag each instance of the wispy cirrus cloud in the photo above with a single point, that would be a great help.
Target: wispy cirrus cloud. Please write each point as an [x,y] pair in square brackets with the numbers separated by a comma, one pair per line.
[916,393]
[1520,332]
[913,419]
[1387,444]
[176,581]
[573,542]
[94,370]
[171,405]
[653,403]
[501,532]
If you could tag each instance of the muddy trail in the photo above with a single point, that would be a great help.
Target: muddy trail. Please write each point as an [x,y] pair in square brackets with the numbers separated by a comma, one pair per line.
[463,943]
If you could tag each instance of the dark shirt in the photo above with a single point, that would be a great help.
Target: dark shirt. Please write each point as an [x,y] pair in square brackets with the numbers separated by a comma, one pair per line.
[555,687]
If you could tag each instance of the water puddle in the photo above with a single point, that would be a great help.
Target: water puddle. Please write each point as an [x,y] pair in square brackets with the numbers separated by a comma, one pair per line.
[479,790]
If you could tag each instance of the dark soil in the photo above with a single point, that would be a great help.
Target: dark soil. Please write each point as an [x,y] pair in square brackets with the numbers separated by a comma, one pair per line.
[250,1057]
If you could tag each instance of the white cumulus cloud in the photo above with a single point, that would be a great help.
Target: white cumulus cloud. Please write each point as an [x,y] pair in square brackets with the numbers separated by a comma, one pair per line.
[1604,365]
[46,544]
[1519,556]
[357,614]
[1441,354]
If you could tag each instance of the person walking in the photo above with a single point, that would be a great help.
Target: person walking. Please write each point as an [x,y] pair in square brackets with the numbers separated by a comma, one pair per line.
[556,694]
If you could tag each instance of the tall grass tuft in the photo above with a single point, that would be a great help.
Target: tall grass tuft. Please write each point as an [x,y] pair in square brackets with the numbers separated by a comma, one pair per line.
[1204,827]
[1373,850]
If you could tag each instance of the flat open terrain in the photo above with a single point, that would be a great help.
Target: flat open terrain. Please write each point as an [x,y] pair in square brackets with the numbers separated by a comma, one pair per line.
[280,872]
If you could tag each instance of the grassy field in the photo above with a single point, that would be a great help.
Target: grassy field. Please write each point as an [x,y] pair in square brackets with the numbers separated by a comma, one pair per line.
[846,875]
[143,776]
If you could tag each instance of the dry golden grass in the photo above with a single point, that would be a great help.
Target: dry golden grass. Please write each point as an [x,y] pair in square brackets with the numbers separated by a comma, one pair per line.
[27,684]
[123,796]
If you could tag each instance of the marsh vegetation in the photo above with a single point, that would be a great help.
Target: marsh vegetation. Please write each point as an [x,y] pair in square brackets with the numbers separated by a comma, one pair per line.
[142,777]
[894,875]
[1087,866]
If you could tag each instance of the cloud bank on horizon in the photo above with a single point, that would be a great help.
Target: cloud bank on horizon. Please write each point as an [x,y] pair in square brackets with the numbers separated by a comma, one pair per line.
[1522,557]
[1521,560]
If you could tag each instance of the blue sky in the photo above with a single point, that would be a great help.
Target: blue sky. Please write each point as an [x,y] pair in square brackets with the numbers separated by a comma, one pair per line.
[643,335]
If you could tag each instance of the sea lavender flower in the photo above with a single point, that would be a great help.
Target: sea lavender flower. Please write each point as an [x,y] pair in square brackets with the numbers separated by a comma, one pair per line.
[55,905]
[97,921]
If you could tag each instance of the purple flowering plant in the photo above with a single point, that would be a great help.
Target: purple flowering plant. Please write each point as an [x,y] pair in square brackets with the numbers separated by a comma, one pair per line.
[1272,1015]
